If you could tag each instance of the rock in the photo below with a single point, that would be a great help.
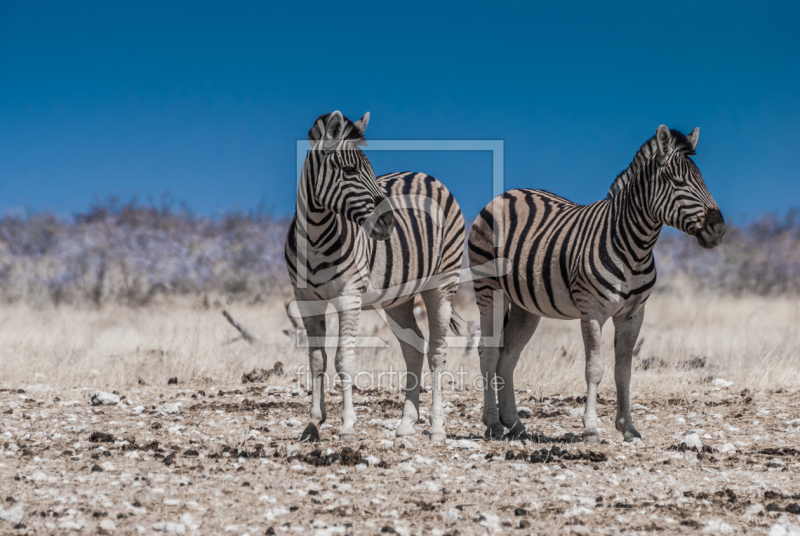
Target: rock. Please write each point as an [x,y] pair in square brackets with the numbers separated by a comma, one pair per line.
[100,398]
[717,526]
[107,524]
[719,382]
[372,460]
[12,515]
[189,521]
[728,448]
[577,510]
[524,412]
[451,514]
[692,440]
[753,510]
[463,444]
[784,528]
[168,409]
[293,422]
[169,527]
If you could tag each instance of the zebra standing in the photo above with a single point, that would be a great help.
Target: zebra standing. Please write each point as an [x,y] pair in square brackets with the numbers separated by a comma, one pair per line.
[346,247]
[590,262]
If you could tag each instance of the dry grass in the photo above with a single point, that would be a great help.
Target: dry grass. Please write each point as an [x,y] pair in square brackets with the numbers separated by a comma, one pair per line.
[230,462]
[752,341]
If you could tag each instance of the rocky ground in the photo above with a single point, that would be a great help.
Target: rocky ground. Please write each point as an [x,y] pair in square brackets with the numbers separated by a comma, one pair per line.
[202,460]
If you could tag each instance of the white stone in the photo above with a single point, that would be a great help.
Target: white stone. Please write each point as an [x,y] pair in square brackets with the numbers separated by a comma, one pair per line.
[524,412]
[717,526]
[168,409]
[189,521]
[100,398]
[451,514]
[293,422]
[464,444]
[577,510]
[784,528]
[372,460]
[692,440]
[719,382]
[107,524]
[727,448]
[12,515]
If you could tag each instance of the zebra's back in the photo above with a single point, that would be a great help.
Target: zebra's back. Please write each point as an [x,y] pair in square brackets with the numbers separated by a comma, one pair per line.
[562,254]
[428,238]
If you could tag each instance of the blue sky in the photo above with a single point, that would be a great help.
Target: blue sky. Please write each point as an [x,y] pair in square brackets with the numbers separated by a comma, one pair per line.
[206,99]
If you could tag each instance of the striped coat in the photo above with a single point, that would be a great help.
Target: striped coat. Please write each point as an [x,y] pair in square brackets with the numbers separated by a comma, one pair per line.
[592,262]
[359,241]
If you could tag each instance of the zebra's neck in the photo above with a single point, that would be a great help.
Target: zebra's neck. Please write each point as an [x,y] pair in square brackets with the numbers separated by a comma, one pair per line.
[321,226]
[633,215]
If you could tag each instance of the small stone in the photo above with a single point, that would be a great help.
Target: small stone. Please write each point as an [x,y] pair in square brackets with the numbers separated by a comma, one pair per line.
[524,412]
[100,398]
[719,382]
[728,448]
[168,409]
[107,524]
[12,515]
[692,440]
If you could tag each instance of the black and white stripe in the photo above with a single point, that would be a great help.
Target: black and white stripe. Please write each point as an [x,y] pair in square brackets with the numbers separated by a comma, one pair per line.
[591,262]
[359,241]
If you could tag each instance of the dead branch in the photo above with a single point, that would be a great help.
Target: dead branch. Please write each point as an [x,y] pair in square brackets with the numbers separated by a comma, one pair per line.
[245,334]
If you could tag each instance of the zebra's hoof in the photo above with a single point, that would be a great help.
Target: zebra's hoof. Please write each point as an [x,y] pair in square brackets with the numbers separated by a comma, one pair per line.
[347,437]
[495,432]
[310,434]
[630,435]
[590,437]
[438,437]
[405,429]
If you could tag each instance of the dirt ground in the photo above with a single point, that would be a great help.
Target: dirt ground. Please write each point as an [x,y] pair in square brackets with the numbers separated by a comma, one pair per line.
[229,462]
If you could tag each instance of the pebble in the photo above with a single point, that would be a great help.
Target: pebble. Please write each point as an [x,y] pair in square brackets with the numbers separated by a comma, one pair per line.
[107,524]
[168,409]
[100,398]
[12,515]
[692,440]
[463,444]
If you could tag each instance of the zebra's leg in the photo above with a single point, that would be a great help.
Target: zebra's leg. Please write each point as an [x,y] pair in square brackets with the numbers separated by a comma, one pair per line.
[521,327]
[591,327]
[491,301]
[318,362]
[625,336]
[403,316]
[438,303]
[349,317]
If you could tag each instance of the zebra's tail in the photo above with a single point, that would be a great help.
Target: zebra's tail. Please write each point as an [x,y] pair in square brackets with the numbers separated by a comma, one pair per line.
[455,322]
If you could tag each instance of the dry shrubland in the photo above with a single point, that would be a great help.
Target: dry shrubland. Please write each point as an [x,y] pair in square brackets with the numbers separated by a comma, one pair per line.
[125,298]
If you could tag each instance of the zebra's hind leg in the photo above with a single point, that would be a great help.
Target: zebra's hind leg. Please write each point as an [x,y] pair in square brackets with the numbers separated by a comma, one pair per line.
[517,333]
[626,333]
[349,317]
[492,305]
[318,361]
[407,331]
[591,328]
[438,302]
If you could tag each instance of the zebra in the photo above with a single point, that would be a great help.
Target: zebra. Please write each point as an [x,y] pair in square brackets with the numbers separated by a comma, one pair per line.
[358,241]
[591,262]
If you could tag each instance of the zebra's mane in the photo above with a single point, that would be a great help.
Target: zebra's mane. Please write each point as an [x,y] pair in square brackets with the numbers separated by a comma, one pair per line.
[349,133]
[680,144]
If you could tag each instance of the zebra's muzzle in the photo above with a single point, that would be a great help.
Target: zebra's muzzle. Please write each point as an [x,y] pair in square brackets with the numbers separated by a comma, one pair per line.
[713,231]
[383,227]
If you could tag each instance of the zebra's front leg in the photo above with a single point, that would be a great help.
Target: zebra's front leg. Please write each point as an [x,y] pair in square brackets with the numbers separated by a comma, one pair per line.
[591,328]
[412,344]
[439,307]
[625,336]
[318,361]
[349,316]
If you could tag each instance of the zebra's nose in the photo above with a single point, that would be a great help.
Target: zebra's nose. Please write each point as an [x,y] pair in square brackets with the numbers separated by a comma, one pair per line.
[713,231]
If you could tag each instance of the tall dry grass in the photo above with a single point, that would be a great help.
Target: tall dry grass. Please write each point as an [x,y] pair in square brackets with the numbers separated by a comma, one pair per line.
[752,341]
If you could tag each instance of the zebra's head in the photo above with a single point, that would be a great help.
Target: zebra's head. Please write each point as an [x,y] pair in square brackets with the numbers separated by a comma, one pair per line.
[345,182]
[686,203]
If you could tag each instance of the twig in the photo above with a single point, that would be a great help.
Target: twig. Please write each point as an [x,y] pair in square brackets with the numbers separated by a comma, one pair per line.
[245,335]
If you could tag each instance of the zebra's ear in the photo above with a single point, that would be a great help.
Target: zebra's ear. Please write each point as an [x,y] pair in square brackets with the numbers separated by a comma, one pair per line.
[335,126]
[664,142]
[362,123]
[693,137]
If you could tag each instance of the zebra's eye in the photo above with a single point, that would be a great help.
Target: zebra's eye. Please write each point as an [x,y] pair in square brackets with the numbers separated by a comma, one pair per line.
[349,169]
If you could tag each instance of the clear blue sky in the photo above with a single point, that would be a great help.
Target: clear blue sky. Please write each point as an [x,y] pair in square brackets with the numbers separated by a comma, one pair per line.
[206,100]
